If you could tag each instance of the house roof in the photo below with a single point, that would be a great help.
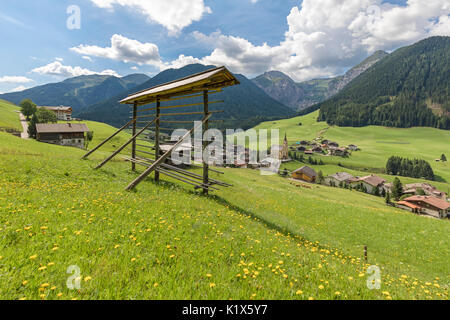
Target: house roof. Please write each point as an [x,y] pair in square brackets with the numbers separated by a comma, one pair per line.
[433,201]
[58,108]
[210,79]
[408,204]
[306,170]
[342,176]
[373,180]
[61,127]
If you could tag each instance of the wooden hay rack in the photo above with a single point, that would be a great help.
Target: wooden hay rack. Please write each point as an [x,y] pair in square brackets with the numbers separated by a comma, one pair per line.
[149,112]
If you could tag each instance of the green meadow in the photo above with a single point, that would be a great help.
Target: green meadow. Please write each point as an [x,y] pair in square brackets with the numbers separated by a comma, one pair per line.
[266,237]
[377,143]
[9,118]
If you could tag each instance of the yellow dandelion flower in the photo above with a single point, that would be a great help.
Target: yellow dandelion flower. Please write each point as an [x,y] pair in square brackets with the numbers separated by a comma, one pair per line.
[33,257]
[45,285]
[208,275]
[212,285]
[337,293]
[24,283]
[299,292]
[321,287]
[42,268]
[59,294]
[155,285]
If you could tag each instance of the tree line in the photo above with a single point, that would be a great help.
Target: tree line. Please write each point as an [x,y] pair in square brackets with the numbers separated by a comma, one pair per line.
[415,168]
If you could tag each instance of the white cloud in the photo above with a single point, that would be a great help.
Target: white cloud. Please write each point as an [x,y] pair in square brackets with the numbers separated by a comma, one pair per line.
[123,49]
[58,69]
[174,15]
[87,58]
[59,59]
[134,68]
[19,88]
[15,79]
[325,37]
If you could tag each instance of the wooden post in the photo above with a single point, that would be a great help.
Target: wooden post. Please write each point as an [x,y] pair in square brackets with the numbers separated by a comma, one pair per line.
[161,160]
[157,150]
[133,139]
[365,254]
[205,143]
[106,140]
[133,147]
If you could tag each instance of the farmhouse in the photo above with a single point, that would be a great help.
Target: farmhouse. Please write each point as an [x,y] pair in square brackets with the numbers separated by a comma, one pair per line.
[305,173]
[429,190]
[338,178]
[62,113]
[370,183]
[428,205]
[334,151]
[317,149]
[64,134]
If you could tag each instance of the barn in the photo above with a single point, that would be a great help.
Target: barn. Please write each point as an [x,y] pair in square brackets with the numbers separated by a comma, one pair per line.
[305,173]
[64,134]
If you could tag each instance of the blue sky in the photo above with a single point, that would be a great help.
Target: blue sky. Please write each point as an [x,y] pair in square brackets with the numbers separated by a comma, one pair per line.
[316,38]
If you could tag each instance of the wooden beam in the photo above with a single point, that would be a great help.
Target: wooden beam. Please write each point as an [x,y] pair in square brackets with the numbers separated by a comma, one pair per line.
[188,173]
[157,149]
[160,160]
[107,139]
[133,146]
[181,106]
[205,143]
[124,145]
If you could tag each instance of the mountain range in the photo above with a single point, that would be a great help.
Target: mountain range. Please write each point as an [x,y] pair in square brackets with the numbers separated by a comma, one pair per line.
[299,96]
[244,106]
[408,88]
[79,92]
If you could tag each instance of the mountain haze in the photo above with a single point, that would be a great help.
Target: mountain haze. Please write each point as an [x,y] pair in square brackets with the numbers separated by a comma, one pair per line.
[78,92]
[299,96]
[245,105]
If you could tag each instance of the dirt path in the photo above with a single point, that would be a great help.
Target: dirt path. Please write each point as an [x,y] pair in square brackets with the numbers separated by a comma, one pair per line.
[23,121]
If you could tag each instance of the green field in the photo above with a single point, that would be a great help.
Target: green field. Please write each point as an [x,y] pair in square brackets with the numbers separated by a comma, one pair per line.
[9,118]
[264,238]
[377,143]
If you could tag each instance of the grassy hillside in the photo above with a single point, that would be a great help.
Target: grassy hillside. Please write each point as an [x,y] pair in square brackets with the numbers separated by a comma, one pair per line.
[9,118]
[167,242]
[377,143]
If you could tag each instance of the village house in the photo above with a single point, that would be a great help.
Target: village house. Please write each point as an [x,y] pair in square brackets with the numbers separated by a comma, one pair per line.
[429,190]
[317,149]
[333,144]
[341,152]
[427,205]
[62,113]
[370,183]
[305,173]
[338,179]
[64,134]
[353,147]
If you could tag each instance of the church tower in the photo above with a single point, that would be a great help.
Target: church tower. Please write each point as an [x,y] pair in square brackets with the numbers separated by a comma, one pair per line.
[285,150]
